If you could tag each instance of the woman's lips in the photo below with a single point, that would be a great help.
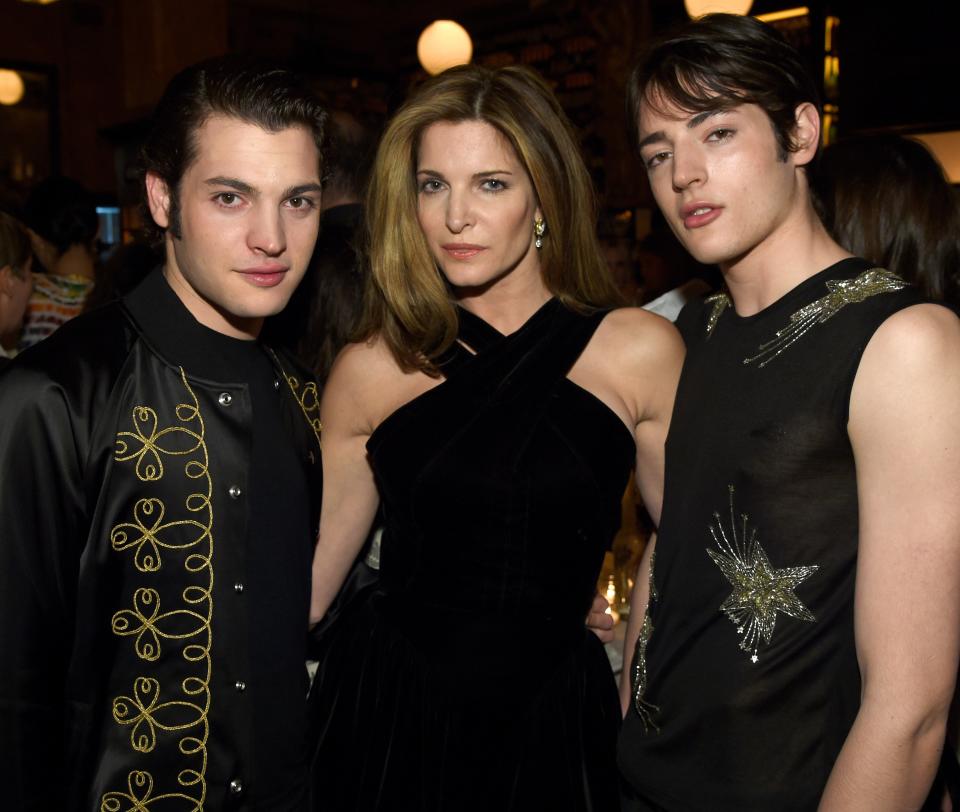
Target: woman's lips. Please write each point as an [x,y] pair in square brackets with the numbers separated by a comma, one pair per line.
[462,251]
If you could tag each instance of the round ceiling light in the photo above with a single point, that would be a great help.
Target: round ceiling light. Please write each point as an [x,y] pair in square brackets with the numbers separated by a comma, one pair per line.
[442,45]
[697,8]
[11,86]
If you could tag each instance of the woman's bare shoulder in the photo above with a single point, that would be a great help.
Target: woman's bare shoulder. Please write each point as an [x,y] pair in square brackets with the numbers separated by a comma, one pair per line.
[636,340]
[367,380]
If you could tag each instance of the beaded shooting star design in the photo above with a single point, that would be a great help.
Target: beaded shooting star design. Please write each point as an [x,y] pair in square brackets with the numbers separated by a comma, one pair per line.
[759,590]
[638,675]
[843,292]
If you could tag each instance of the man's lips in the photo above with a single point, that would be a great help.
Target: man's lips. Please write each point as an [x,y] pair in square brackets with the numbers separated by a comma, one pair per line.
[699,214]
[462,250]
[266,275]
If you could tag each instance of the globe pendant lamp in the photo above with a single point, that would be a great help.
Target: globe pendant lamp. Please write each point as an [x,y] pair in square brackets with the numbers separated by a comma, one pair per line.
[11,87]
[442,45]
[697,8]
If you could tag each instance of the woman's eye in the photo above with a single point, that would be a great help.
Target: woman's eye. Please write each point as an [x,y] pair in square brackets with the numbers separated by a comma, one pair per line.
[493,185]
[430,185]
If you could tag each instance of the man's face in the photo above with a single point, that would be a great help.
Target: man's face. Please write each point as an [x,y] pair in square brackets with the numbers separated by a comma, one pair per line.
[249,213]
[718,178]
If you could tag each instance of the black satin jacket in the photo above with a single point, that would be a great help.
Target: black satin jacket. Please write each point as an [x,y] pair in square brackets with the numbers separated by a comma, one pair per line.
[122,563]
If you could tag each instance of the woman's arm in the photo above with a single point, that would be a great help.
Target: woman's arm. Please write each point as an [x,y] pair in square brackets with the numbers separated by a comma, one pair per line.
[349,493]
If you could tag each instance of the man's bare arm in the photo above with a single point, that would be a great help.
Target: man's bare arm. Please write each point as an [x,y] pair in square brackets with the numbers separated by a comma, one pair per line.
[905,429]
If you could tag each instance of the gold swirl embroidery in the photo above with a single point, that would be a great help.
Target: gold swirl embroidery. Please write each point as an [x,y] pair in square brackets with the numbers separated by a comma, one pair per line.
[147,622]
[148,625]
[638,681]
[146,443]
[139,796]
[309,400]
[143,534]
[147,713]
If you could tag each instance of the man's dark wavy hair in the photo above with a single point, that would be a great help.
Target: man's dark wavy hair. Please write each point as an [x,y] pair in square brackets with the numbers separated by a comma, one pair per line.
[239,87]
[720,61]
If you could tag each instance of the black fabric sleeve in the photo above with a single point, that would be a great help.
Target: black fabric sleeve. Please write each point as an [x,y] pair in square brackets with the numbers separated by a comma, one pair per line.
[42,533]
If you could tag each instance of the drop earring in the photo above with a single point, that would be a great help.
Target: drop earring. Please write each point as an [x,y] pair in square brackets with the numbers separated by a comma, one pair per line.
[539,229]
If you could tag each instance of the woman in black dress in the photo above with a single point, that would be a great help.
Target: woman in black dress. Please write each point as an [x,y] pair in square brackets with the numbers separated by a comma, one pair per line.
[496,408]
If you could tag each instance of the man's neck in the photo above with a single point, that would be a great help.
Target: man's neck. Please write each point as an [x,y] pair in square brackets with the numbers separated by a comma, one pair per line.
[797,250]
[208,314]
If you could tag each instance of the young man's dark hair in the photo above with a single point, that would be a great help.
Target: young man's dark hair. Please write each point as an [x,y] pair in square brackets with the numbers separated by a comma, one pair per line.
[719,61]
[239,87]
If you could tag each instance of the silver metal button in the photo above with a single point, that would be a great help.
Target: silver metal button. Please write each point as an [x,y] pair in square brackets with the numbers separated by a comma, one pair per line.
[236,786]
[238,587]
[234,492]
[240,685]
[225,399]
[276,384]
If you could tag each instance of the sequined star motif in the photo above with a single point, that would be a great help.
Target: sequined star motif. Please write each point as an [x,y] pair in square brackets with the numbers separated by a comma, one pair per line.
[759,590]
[841,292]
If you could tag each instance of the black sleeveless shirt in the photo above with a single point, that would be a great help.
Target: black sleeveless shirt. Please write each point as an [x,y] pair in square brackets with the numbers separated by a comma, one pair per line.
[747,683]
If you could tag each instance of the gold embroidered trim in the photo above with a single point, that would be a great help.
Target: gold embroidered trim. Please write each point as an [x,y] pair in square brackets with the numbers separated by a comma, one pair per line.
[309,401]
[843,292]
[759,590]
[638,676]
[146,710]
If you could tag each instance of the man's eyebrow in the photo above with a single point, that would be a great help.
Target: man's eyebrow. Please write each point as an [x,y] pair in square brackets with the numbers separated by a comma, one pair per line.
[695,121]
[232,183]
[302,189]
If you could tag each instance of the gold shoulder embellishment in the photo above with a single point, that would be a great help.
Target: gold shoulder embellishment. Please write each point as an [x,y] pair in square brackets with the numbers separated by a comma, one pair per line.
[720,302]
[759,590]
[843,292]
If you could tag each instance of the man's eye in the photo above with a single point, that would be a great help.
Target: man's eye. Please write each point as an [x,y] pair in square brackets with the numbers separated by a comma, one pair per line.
[720,134]
[301,203]
[656,159]
[227,199]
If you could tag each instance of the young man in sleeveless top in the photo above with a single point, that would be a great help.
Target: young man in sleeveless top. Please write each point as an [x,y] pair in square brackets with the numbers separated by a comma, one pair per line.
[800,641]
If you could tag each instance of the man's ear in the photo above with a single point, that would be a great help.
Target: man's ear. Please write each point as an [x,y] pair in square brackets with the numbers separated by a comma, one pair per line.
[806,133]
[158,198]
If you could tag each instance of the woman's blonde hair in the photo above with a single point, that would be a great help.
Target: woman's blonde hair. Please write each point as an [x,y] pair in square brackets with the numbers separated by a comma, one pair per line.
[408,303]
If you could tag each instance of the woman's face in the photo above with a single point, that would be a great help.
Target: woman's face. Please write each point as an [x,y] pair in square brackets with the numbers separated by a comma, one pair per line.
[476,204]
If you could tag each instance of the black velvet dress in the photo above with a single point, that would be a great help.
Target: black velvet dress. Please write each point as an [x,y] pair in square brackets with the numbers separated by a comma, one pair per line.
[469,681]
